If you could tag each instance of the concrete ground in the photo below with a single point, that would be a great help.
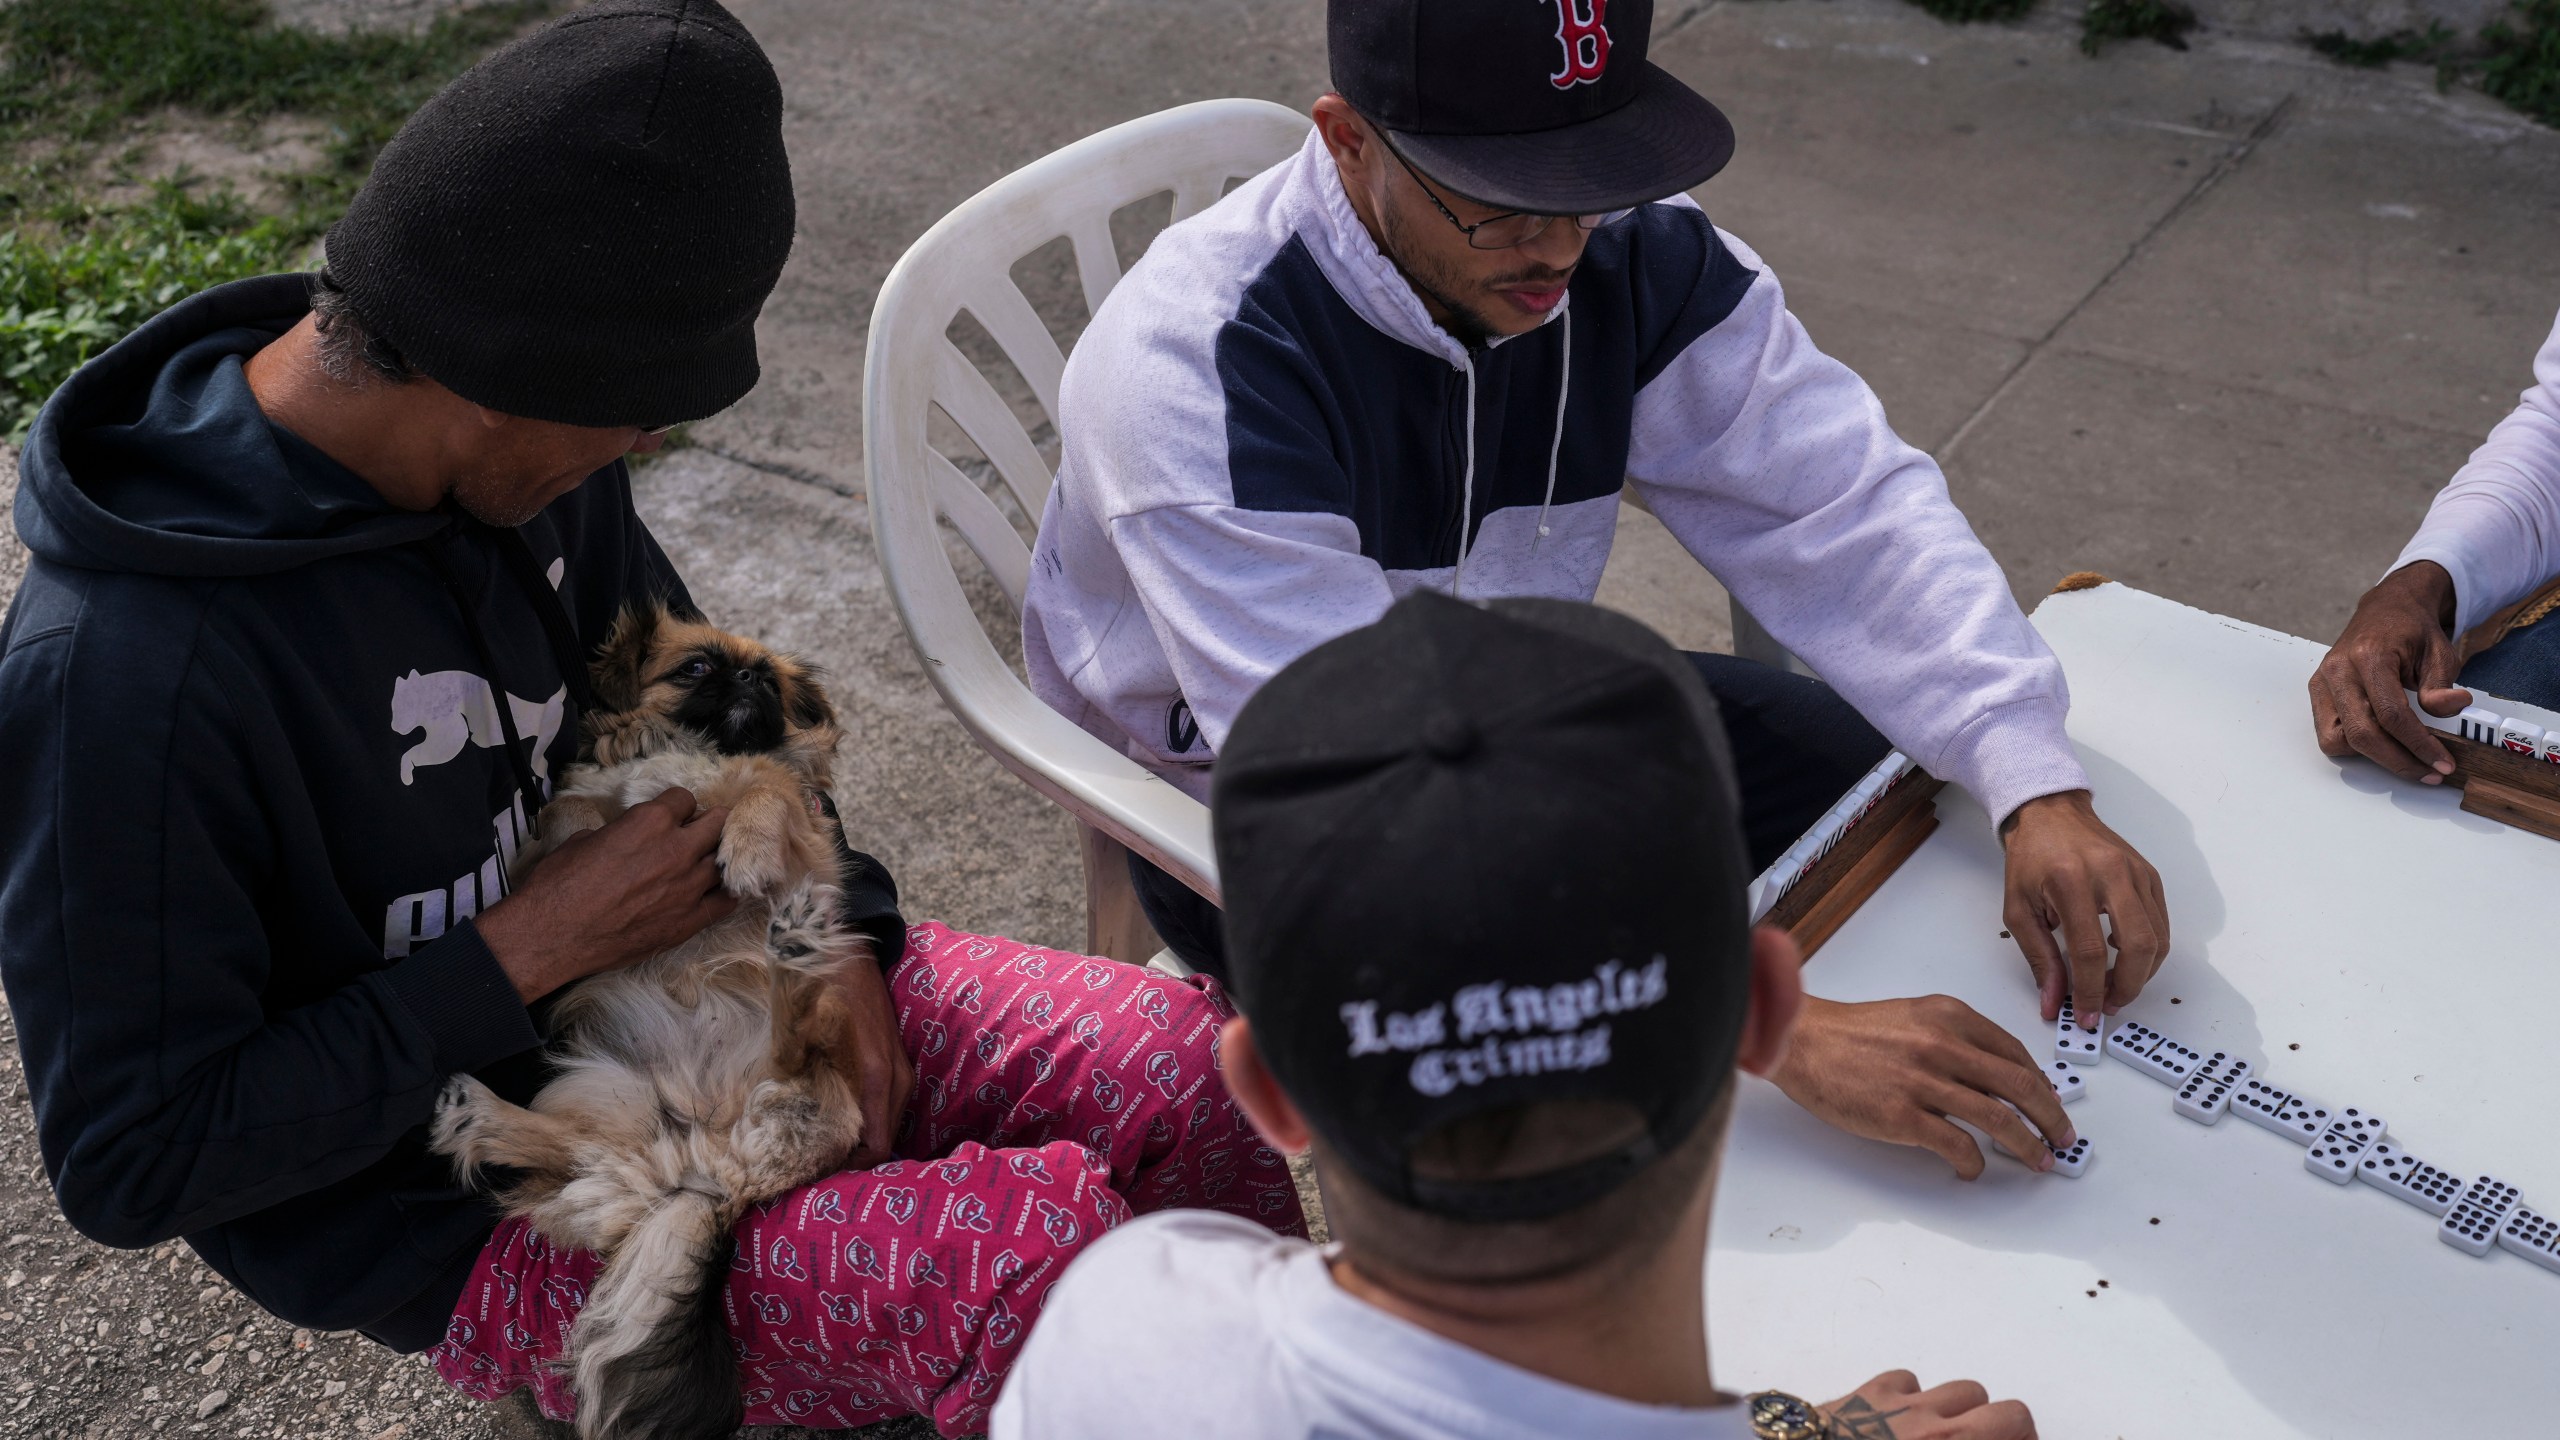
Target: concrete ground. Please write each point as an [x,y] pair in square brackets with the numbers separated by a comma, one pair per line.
[2213,323]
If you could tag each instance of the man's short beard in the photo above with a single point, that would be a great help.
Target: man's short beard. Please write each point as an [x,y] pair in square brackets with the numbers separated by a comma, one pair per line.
[1464,324]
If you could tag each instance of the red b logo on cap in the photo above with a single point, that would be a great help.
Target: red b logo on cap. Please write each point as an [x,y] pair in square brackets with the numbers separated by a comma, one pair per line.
[1585,38]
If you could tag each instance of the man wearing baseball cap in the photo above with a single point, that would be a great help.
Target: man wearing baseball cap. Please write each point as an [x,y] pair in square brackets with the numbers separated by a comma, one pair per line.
[1485,887]
[1429,352]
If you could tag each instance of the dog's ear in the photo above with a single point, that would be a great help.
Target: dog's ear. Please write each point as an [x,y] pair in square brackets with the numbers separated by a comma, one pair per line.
[621,670]
[804,699]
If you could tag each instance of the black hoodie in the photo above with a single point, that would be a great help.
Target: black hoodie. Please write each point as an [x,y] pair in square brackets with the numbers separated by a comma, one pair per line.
[257,787]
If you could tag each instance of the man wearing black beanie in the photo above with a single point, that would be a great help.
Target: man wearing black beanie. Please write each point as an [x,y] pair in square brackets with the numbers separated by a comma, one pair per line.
[1484,881]
[319,565]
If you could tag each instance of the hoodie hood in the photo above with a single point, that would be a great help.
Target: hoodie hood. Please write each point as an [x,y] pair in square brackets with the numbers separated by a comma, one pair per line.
[155,459]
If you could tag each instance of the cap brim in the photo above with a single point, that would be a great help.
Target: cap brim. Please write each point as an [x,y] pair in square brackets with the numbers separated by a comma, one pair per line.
[1664,141]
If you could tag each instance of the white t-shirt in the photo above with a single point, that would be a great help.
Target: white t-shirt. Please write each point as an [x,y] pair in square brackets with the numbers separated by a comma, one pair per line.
[1189,1323]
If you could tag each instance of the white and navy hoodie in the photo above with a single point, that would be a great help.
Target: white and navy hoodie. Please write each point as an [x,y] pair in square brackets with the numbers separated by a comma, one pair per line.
[1267,440]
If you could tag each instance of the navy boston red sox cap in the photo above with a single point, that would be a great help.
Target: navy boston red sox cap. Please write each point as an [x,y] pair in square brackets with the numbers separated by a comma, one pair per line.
[1483,858]
[1548,106]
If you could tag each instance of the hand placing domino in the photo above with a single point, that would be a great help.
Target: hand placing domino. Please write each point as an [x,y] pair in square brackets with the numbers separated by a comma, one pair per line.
[2073,1161]
[2071,1043]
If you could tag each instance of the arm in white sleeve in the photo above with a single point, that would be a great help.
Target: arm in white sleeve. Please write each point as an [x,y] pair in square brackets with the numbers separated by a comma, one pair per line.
[1235,595]
[1773,464]
[2495,527]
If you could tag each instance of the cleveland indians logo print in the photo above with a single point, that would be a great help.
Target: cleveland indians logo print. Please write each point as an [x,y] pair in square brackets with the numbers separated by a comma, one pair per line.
[1580,28]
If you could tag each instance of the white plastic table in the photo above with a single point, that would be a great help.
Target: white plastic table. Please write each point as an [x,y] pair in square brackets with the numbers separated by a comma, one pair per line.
[2359,939]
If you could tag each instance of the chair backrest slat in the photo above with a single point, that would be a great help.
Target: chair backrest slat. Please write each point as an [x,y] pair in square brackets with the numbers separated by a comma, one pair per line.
[965,394]
[983,526]
[1024,337]
[965,263]
[1097,259]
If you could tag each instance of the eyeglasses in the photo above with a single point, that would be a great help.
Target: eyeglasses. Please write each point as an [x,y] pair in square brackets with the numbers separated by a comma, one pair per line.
[650,431]
[1516,227]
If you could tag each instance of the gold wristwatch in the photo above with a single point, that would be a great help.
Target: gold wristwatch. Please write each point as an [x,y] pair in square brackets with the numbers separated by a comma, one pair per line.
[1777,1415]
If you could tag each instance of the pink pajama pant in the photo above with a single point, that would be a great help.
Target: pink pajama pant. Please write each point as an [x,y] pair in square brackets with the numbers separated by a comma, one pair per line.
[1056,1095]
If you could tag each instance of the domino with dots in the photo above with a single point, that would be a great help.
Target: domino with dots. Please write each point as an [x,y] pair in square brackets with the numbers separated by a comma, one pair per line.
[2065,1079]
[2205,1095]
[2169,1062]
[2071,1161]
[2472,1225]
[2293,1116]
[2532,1235]
[2073,1044]
[2335,1156]
[2129,1042]
[2406,1178]
[2362,1126]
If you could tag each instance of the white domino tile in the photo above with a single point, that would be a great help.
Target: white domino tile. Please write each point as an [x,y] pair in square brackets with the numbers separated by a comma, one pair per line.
[2335,1155]
[2065,1079]
[2169,1062]
[2522,736]
[2305,1118]
[2071,1043]
[2477,724]
[2073,1161]
[2205,1095]
[2282,1111]
[2534,1236]
[2362,1126]
[2405,1177]
[2129,1042]
[2471,1226]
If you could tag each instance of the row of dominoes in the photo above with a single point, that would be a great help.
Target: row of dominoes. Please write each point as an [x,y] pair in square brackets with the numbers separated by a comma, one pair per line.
[2341,1144]
[2488,727]
[1825,834]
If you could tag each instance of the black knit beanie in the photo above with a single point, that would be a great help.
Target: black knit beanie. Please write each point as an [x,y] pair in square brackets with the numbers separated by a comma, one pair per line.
[583,226]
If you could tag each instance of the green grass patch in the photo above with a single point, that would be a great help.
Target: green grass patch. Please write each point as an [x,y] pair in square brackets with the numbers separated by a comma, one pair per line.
[65,299]
[1967,12]
[2163,21]
[2430,45]
[2521,63]
[79,78]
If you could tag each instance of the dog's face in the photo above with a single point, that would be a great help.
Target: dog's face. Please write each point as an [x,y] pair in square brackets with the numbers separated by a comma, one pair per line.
[740,697]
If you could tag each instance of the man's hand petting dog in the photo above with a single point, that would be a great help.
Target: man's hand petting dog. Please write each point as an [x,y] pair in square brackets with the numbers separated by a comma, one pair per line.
[1906,1070]
[646,882]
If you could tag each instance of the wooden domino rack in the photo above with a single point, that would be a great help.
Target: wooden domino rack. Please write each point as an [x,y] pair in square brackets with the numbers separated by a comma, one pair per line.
[2504,784]
[1812,890]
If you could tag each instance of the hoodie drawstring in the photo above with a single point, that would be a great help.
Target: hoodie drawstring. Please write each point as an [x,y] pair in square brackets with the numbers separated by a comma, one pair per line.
[1555,447]
[1467,488]
[527,573]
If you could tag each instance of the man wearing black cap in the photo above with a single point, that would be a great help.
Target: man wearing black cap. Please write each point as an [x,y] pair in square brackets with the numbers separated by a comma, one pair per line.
[319,563]
[1486,919]
[1430,352]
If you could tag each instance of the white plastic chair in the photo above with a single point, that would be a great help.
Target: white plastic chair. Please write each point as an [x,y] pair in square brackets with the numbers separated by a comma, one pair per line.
[965,263]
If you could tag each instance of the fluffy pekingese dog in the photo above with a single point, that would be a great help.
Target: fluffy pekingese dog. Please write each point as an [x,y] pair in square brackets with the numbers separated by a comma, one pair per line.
[705,1079]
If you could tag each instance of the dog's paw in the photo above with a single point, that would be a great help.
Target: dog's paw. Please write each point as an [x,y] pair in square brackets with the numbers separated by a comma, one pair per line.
[751,865]
[460,1108]
[802,927]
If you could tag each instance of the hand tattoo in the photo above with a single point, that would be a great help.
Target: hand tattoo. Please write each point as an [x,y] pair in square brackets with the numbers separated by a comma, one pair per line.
[1858,1420]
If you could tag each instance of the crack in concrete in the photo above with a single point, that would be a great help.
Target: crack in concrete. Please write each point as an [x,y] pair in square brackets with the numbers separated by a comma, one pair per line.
[2230,162]
[776,467]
